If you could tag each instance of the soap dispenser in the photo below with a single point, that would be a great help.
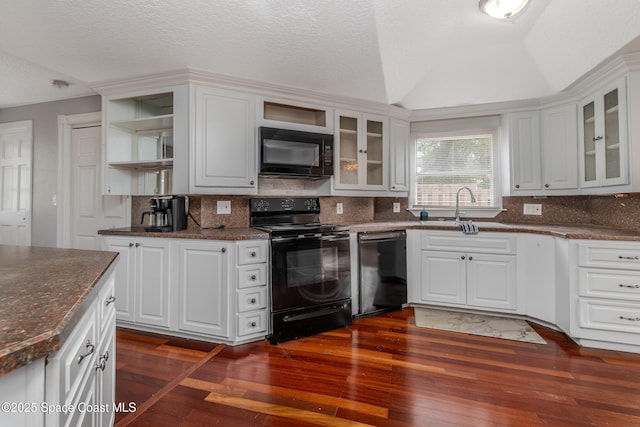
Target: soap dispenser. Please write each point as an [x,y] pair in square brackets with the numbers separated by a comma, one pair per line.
[424,215]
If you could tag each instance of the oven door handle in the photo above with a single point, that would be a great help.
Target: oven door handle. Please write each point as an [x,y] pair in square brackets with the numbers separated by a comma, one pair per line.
[335,237]
[294,238]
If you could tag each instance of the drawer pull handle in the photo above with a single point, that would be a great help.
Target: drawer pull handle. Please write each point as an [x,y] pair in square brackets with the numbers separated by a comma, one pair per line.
[633,319]
[90,348]
[223,250]
[629,286]
[253,301]
[110,300]
[253,254]
[102,361]
[253,324]
[254,277]
[632,258]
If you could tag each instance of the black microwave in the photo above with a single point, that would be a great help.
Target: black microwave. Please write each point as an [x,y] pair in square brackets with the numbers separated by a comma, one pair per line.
[295,153]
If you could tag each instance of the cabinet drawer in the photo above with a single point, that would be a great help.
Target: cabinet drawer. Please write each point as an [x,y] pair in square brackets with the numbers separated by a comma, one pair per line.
[482,243]
[252,275]
[622,255]
[75,358]
[106,304]
[610,316]
[252,323]
[609,284]
[252,252]
[252,299]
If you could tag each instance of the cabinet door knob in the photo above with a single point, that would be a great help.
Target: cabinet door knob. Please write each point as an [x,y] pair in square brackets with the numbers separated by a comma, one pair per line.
[251,182]
[138,245]
[253,254]
[253,324]
[470,258]
[223,250]
[130,244]
[253,277]
[597,138]
[110,300]
[253,301]
[546,186]
[360,151]
[517,185]
[462,257]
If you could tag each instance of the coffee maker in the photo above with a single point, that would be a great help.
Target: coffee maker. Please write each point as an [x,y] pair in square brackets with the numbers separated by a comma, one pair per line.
[168,213]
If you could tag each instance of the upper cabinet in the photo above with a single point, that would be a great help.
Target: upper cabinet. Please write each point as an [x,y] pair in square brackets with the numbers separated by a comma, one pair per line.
[399,155]
[141,131]
[544,157]
[282,114]
[361,147]
[603,137]
[223,155]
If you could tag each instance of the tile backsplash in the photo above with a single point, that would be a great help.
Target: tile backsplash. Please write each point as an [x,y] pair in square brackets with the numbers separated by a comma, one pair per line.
[620,211]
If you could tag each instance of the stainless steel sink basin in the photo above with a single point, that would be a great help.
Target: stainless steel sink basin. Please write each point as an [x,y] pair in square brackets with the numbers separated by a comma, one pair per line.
[454,224]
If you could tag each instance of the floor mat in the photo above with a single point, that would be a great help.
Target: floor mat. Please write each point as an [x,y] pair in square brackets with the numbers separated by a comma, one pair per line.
[477,324]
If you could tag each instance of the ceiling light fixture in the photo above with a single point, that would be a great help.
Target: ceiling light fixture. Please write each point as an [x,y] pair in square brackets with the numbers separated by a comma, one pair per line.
[502,9]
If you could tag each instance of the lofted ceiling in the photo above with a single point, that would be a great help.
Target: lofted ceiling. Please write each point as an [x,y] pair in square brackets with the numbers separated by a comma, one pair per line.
[418,54]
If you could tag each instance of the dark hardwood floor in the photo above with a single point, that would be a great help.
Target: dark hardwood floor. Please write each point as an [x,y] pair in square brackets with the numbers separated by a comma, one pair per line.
[382,371]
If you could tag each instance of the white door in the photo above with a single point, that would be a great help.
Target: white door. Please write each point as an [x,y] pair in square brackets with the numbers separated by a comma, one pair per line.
[90,210]
[16,141]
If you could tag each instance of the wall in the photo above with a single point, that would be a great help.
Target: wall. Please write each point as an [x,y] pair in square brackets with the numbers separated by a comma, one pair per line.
[45,158]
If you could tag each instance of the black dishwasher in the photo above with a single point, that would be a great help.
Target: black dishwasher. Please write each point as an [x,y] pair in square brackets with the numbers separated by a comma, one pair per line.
[383,271]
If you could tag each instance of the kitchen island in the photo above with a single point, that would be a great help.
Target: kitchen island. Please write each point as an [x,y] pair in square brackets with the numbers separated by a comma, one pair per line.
[55,307]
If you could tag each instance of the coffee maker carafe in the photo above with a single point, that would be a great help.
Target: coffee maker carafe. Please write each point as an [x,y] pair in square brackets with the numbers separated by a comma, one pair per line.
[168,213]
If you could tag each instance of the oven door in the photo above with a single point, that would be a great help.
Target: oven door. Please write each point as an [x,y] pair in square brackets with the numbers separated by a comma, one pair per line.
[308,270]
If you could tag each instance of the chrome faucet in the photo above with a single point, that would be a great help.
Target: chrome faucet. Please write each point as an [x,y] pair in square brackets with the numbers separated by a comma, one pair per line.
[473,200]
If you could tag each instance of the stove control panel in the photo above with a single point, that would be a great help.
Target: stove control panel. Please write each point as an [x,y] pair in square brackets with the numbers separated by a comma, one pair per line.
[286,205]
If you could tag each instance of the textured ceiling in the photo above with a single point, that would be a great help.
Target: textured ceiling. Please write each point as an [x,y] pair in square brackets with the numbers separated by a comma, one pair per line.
[414,53]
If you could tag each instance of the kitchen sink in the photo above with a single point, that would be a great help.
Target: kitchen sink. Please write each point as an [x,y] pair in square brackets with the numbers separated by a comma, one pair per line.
[454,224]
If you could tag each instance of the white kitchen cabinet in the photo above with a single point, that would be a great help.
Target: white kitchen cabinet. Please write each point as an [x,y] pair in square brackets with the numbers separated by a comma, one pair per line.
[139,133]
[399,155]
[560,148]
[361,150]
[477,271]
[526,149]
[287,114]
[605,294]
[143,274]
[223,148]
[83,370]
[603,137]
[203,280]
[252,294]
[544,153]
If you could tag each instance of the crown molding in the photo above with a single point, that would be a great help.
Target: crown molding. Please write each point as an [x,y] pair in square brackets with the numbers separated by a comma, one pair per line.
[206,78]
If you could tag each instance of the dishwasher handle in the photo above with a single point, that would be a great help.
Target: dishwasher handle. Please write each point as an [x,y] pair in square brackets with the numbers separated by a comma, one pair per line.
[381,236]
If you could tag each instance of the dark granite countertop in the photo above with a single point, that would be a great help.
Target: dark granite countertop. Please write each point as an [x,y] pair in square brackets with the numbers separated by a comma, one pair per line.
[43,294]
[230,233]
[578,231]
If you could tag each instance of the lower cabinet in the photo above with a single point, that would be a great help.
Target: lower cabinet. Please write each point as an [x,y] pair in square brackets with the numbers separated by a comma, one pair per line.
[467,278]
[143,278]
[81,375]
[203,282]
[605,303]
[483,278]
[206,289]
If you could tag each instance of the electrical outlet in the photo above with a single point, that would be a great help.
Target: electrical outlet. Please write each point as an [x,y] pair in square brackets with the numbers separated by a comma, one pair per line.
[339,208]
[396,207]
[532,209]
[224,207]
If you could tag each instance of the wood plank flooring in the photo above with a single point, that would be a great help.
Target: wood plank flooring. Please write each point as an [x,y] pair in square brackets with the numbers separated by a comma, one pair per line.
[381,371]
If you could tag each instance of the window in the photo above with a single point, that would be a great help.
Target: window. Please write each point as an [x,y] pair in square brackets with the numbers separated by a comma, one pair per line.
[446,162]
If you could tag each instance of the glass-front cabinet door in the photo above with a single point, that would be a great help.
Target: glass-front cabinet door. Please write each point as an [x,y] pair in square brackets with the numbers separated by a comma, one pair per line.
[604,138]
[361,150]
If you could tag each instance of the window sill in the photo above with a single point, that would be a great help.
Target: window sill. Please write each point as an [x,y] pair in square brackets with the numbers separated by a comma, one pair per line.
[466,212]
